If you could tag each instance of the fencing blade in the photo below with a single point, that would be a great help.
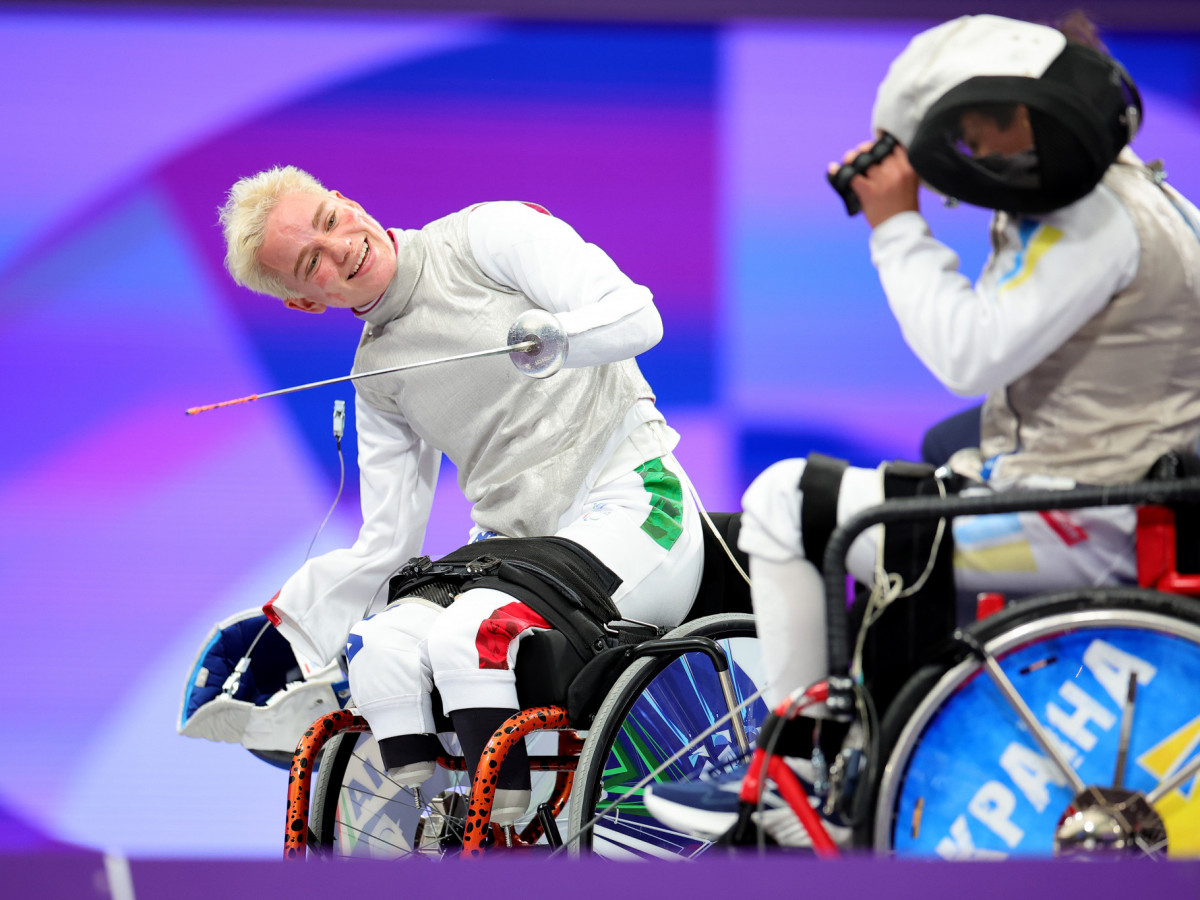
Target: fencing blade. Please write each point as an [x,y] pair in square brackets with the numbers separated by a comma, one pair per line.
[531,347]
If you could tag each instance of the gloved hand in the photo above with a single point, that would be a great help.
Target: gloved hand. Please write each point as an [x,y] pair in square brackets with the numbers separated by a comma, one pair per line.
[860,161]
[248,687]
[550,338]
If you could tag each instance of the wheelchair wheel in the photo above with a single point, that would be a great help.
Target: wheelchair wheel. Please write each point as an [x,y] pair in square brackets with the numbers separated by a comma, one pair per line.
[965,778]
[656,708]
[358,811]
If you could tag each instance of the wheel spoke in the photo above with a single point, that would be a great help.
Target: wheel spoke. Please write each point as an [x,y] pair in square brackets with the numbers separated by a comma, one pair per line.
[1010,693]
[1126,730]
[1027,783]
[384,797]
[650,828]
[371,836]
[366,811]
[658,723]
[1167,785]
[382,773]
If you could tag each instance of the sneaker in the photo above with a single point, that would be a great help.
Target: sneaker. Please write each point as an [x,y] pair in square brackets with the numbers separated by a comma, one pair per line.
[709,808]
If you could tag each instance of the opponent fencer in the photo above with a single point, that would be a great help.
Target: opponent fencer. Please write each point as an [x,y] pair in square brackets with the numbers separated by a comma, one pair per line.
[584,454]
[1083,331]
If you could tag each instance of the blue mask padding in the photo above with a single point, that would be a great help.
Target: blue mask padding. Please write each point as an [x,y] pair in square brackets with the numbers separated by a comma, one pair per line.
[272,665]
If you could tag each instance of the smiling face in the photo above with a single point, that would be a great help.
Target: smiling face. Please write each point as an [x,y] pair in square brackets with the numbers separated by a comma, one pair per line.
[327,251]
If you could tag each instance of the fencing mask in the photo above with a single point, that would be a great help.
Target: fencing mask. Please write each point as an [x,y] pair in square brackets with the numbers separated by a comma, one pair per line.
[1007,114]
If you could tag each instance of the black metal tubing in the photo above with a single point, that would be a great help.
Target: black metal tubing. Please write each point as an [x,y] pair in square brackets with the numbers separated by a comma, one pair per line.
[921,509]
[680,646]
[549,826]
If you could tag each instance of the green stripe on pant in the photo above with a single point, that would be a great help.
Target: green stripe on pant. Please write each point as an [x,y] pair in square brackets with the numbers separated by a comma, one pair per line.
[665,522]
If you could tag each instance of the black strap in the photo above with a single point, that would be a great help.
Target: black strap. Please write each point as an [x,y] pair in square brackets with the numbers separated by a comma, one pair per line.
[819,487]
[561,580]
[912,631]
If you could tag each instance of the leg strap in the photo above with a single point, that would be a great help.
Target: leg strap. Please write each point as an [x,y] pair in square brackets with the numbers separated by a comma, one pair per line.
[819,486]
[910,632]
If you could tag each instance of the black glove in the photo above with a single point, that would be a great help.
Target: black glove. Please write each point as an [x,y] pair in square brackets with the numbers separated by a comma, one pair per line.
[858,166]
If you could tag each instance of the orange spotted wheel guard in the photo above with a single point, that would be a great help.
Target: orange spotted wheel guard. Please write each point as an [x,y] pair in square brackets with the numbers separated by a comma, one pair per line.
[295,839]
[569,746]
[479,811]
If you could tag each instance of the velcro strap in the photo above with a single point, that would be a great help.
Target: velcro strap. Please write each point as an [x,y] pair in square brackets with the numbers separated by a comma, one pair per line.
[901,478]
[819,487]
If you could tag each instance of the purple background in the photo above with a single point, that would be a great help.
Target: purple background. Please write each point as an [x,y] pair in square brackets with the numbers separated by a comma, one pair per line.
[693,154]
[515,878]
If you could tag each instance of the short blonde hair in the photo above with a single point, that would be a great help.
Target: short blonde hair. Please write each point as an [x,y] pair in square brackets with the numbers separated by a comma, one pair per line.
[244,220]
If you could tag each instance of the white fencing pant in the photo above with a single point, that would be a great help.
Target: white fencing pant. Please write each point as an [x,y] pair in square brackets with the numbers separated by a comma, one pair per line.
[1015,554]
[642,525]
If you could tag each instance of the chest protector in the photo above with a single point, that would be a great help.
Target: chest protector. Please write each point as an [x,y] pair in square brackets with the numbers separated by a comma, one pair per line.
[1125,388]
[523,446]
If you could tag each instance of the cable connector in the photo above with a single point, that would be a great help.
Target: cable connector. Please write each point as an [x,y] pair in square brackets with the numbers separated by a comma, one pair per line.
[234,681]
[339,418]
[339,428]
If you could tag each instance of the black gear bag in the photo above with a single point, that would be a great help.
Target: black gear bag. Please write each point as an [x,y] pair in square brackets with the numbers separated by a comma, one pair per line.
[561,580]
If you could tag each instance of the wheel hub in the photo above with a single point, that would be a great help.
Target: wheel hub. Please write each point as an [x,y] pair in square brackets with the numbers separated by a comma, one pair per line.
[1109,822]
[441,824]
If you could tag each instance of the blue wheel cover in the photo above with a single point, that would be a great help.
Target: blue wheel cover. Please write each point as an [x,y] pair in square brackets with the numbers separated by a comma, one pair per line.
[682,701]
[978,786]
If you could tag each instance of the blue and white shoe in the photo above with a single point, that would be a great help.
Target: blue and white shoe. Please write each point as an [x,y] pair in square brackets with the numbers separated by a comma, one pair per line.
[709,808]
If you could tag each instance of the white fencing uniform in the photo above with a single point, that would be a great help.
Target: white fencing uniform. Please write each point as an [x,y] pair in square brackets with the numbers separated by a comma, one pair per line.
[1096,300]
[469,649]
[548,456]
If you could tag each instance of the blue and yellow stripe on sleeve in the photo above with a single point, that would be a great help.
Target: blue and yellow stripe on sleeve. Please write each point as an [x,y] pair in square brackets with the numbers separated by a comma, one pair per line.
[1036,239]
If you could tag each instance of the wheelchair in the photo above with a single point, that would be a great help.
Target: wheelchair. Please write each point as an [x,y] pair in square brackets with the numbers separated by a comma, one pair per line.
[1066,725]
[614,721]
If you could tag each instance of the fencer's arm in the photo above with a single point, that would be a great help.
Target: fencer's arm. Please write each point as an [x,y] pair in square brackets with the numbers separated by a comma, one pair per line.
[606,315]
[398,471]
[1026,304]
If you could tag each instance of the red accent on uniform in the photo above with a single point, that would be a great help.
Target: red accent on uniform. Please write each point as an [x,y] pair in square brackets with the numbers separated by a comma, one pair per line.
[988,604]
[1067,529]
[500,629]
[537,206]
[363,310]
[269,610]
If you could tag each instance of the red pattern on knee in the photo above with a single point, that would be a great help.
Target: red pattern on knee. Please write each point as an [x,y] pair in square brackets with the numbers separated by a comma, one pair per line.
[500,629]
